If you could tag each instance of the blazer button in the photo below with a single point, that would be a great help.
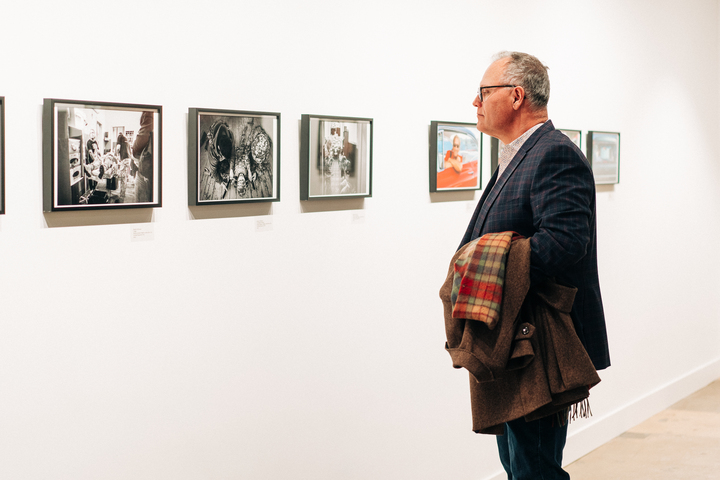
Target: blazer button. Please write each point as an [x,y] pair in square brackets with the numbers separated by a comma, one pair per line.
[525,330]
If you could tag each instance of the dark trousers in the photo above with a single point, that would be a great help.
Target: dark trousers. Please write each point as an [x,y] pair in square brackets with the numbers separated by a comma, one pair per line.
[533,450]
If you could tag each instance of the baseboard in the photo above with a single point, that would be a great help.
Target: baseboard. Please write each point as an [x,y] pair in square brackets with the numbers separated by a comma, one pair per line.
[604,428]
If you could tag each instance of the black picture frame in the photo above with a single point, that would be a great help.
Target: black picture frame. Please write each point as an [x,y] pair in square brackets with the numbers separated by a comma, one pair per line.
[89,157]
[495,147]
[2,155]
[575,136]
[335,157]
[444,174]
[233,156]
[603,153]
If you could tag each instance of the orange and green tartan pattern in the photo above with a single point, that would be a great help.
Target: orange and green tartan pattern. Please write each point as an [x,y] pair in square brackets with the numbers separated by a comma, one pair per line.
[479,277]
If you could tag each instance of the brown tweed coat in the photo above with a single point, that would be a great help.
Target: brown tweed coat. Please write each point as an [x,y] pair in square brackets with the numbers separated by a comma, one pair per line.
[532,364]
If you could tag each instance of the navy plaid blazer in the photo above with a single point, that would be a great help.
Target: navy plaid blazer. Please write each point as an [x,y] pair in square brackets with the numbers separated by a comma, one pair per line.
[547,193]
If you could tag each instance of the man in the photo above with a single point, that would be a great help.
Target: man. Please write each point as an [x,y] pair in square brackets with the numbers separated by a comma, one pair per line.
[93,150]
[453,159]
[544,190]
[91,154]
[144,159]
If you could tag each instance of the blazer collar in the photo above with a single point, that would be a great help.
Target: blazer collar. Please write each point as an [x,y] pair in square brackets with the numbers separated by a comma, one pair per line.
[517,160]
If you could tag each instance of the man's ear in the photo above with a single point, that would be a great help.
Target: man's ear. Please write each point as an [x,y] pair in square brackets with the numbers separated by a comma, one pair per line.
[518,97]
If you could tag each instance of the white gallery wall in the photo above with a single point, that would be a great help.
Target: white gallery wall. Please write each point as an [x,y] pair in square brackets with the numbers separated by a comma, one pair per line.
[304,340]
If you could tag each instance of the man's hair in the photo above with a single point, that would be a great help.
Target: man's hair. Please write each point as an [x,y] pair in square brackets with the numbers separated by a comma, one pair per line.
[527,71]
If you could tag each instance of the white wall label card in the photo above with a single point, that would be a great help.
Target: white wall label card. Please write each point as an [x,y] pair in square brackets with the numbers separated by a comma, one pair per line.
[358,217]
[264,225]
[144,233]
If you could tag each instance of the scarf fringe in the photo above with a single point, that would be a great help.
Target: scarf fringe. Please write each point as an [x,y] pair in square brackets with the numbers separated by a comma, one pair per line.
[574,412]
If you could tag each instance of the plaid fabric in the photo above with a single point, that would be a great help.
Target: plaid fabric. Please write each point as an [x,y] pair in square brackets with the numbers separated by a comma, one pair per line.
[479,277]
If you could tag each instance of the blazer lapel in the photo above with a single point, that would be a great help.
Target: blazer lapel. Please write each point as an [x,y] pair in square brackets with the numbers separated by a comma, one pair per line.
[502,181]
[473,221]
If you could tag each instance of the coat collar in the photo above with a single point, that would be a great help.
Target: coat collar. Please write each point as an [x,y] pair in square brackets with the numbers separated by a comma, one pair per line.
[517,160]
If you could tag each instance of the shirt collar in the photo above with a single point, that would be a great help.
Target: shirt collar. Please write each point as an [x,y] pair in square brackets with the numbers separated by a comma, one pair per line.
[511,149]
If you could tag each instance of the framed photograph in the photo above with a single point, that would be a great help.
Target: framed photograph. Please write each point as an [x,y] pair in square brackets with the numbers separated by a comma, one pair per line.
[574,135]
[335,157]
[233,156]
[99,155]
[603,153]
[2,155]
[455,156]
[496,147]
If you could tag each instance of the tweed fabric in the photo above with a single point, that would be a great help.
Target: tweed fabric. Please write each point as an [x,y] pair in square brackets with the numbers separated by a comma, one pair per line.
[532,364]
[479,275]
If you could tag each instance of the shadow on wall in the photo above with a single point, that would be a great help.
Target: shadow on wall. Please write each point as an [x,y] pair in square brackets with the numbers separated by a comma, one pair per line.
[312,206]
[86,218]
[230,211]
[462,196]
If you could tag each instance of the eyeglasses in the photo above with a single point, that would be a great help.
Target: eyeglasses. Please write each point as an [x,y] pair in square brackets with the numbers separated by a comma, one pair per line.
[480,90]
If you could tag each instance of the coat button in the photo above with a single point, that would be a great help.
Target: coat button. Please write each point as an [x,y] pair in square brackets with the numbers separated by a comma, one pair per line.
[525,330]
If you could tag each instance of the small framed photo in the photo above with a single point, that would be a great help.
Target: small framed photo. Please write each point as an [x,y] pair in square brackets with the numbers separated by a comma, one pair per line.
[603,153]
[455,156]
[335,157]
[233,156]
[99,155]
[574,135]
[496,147]
[2,155]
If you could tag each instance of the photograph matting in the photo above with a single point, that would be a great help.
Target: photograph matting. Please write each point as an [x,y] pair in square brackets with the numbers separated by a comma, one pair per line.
[101,155]
[233,156]
[335,157]
[455,156]
[603,153]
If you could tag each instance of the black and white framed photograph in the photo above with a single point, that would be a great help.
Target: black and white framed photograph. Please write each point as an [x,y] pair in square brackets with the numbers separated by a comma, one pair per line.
[335,157]
[233,156]
[455,156]
[603,153]
[574,135]
[99,155]
[2,155]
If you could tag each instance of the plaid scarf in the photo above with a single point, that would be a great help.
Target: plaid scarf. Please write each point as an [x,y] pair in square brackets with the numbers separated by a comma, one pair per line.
[479,277]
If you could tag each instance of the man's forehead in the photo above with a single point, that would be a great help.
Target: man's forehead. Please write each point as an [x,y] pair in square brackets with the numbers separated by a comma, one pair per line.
[494,71]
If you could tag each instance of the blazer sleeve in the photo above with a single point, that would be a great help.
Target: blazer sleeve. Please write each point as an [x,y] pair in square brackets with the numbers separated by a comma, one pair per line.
[562,199]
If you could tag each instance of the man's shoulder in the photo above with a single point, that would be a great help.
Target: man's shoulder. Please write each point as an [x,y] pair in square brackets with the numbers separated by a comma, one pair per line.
[553,150]
[553,140]
[549,135]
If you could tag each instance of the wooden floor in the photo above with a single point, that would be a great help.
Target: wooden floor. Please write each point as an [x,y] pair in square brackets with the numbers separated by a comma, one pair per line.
[682,442]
